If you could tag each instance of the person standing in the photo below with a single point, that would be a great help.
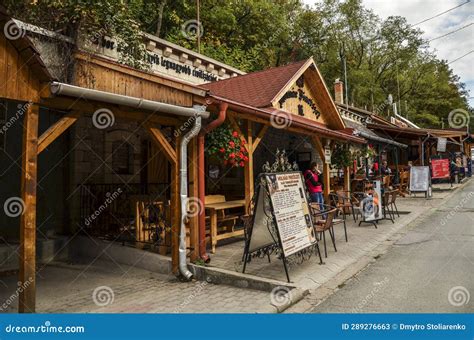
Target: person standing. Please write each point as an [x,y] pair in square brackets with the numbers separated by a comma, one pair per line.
[314,185]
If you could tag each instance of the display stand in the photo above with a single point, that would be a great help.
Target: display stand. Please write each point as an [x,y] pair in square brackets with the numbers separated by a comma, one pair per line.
[281,222]
[371,206]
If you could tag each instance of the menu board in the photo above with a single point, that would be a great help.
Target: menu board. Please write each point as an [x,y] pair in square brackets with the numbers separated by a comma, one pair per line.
[440,168]
[419,178]
[441,145]
[291,211]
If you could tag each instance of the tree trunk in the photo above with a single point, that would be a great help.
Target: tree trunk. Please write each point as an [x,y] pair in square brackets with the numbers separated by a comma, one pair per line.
[161,6]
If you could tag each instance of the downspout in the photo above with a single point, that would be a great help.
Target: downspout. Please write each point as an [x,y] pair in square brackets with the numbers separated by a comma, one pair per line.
[183,190]
[202,179]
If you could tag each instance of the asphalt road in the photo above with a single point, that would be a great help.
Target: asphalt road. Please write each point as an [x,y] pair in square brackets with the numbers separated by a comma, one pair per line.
[429,270]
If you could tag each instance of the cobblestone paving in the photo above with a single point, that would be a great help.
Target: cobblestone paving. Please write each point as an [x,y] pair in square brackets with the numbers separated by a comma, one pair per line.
[108,288]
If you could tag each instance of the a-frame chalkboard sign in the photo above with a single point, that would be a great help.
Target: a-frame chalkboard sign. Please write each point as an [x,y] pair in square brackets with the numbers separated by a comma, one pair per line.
[281,222]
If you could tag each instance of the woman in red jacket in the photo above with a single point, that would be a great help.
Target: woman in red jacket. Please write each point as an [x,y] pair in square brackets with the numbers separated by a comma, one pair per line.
[313,183]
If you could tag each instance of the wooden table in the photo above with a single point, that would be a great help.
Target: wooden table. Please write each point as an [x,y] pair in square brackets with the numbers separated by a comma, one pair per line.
[213,208]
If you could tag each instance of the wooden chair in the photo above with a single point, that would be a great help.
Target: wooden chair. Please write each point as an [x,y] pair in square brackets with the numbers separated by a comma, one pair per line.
[392,203]
[341,199]
[324,221]
[386,207]
[404,183]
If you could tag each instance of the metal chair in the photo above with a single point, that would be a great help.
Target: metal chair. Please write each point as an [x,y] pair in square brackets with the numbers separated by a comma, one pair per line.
[386,206]
[324,221]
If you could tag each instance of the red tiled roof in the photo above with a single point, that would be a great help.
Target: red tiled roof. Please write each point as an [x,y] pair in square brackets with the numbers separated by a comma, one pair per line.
[256,89]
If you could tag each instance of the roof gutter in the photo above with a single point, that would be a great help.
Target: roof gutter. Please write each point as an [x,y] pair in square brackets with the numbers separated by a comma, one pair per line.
[381,139]
[262,114]
[118,99]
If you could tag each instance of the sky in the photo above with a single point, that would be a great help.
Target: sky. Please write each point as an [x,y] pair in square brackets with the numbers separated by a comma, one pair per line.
[448,48]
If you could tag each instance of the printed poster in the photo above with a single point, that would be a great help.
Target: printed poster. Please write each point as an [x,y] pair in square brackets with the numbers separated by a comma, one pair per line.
[291,211]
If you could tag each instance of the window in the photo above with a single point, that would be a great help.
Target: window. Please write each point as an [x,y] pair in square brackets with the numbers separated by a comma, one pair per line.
[122,158]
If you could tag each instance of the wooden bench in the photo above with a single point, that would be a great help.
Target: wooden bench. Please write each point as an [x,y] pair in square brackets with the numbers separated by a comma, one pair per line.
[221,222]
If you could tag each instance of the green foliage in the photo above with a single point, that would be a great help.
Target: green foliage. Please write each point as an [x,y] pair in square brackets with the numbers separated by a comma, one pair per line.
[226,145]
[383,56]
[341,156]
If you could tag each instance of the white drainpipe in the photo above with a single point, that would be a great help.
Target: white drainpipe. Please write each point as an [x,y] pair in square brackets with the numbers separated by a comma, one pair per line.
[196,111]
[183,174]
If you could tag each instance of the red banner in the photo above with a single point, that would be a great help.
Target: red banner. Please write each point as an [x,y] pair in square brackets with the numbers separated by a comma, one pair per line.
[440,168]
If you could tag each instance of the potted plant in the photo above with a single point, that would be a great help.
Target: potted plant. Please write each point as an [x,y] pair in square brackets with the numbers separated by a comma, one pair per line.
[226,145]
[341,157]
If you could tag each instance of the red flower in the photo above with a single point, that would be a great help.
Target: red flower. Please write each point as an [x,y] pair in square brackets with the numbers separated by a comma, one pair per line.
[222,150]
[242,149]
[246,158]
[232,155]
[232,162]
[241,155]
[243,142]
[232,144]
[225,162]
[242,164]
[235,134]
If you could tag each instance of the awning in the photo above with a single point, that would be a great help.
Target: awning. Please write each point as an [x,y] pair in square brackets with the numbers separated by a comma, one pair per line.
[363,131]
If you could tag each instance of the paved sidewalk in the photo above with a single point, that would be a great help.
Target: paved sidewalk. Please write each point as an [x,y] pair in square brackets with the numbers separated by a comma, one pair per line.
[364,244]
[105,287]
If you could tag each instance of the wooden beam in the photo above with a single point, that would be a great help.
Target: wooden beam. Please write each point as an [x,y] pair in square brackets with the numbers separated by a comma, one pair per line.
[326,170]
[175,212]
[347,178]
[236,127]
[248,170]
[56,130]
[259,137]
[163,143]
[27,276]
[67,104]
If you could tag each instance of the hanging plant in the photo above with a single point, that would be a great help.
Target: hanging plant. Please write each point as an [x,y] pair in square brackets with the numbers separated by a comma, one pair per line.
[341,157]
[225,144]
[369,151]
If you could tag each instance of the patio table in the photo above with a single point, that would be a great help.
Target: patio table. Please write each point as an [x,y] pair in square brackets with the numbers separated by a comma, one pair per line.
[213,209]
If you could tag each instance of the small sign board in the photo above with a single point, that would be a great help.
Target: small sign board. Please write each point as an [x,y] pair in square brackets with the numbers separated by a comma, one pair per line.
[327,155]
[441,145]
[420,179]
[440,168]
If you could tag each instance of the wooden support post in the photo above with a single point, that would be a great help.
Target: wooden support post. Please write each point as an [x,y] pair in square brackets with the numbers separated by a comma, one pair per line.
[175,211]
[56,130]
[193,192]
[259,137]
[249,180]
[347,178]
[27,277]
[326,170]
